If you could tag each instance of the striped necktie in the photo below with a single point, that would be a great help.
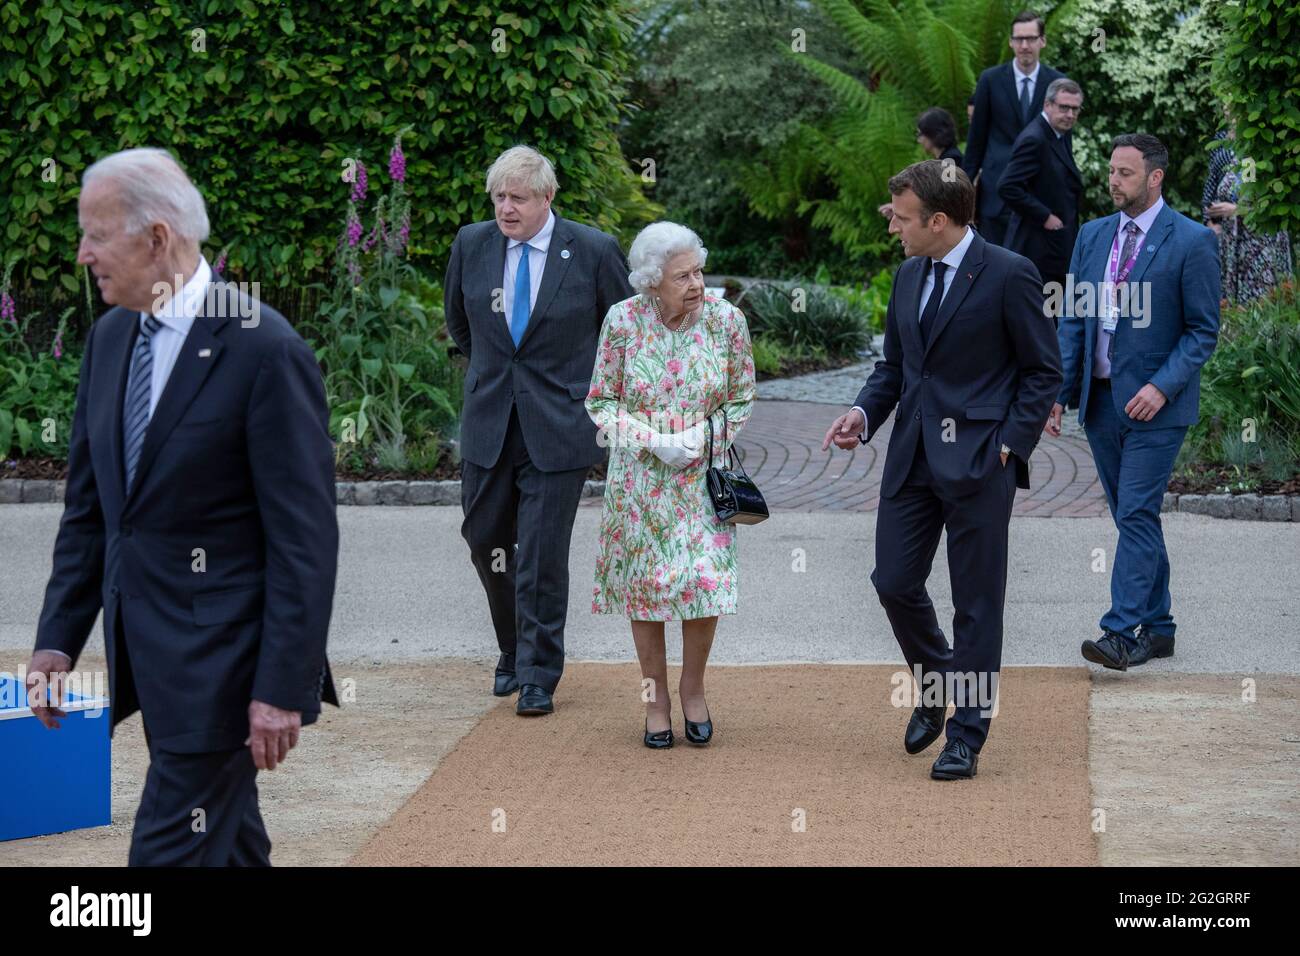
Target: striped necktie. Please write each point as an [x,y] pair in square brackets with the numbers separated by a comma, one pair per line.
[139,390]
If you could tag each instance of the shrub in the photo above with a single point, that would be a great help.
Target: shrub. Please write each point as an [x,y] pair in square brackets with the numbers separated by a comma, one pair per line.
[803,315]
[38,387]
[264,101]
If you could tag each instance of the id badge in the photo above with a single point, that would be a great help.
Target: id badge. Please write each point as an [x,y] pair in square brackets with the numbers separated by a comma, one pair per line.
[1110,320]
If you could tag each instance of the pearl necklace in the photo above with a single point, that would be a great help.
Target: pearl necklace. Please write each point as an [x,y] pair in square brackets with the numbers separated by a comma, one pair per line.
[682,324]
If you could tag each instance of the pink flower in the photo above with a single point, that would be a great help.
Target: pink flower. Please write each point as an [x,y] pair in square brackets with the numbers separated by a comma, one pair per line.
[721,540]
[220,267]
[708,584]
[656,492]
[674,366]
[397,161]
[688,596]
[7,310]
[58,345]
[360,184]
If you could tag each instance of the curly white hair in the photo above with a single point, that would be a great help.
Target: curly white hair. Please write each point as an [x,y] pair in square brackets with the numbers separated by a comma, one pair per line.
[655,245]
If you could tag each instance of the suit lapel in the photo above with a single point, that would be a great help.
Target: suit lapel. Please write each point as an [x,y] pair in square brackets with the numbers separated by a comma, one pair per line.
[194,363]
[494,257]
[967,272]
[558,256]
[1063,152]
[1151,245]
[106,412]
[1011,88]
[909,304]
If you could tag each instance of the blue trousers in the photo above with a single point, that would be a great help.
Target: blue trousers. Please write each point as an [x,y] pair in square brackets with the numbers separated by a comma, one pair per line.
[1134,467]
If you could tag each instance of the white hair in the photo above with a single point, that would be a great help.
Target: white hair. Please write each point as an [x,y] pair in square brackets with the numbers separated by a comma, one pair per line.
[154,189]
[523,165]
[656,244]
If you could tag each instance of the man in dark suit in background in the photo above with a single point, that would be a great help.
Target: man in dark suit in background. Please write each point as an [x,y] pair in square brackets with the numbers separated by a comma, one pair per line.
[525,296]
[1041,185]
[970,362]
[199,515]
[1007,97]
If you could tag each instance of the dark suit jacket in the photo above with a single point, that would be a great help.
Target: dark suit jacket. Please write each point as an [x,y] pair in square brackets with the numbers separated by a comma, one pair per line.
[237,461]
[1179,265]
[989,376]
[994,127]
[548,377]
[1041,179]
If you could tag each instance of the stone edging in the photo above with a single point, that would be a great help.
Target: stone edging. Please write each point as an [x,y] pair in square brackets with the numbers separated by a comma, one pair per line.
[48,491]
[1249,507]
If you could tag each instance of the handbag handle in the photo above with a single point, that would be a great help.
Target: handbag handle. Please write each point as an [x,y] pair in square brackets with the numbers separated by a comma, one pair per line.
[733,460]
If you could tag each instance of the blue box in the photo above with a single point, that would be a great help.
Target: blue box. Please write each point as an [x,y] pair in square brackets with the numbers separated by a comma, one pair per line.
[55,780]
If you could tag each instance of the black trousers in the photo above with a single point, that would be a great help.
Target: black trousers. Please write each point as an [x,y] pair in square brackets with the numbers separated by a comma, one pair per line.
[908,527]
[518,524]
[200,810]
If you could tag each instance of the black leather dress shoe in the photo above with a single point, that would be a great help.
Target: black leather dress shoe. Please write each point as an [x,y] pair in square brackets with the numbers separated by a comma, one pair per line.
[924,728]
[1148,645]
[661,740]
[533,700]
[504,684]
[956,762]
[701,733]
[1112,650]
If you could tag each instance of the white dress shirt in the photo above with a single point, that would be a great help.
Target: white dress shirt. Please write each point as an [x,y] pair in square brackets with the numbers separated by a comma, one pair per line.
[1145,220]
[177,316]
[538,246]
[1020,79]
[1049,123]
[952,259]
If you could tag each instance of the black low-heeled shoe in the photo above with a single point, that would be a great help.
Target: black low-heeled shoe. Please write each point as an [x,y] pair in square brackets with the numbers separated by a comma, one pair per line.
[660,740]
[701,733]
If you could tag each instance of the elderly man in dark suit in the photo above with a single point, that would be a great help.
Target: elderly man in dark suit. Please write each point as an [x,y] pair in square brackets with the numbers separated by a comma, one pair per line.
[525,296]
[971,361]
[1007,98]
[199,515]
[1041,185]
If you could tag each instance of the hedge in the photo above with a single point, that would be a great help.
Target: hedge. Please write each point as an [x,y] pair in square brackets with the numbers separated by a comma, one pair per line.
[263,101]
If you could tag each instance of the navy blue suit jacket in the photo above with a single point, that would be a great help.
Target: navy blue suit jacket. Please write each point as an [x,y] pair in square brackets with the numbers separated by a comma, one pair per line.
[1042,180]
[988,376]
[994,127]
[1179,267]
[237,461]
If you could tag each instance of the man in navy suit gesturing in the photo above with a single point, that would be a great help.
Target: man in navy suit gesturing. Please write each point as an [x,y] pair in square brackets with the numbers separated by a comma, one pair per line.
[199,516]
[970,363]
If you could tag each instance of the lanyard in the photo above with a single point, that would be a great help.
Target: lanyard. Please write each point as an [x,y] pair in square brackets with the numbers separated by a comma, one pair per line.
[1120,277]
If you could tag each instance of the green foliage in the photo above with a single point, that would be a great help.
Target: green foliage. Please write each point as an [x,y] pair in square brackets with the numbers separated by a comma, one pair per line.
[1253,377]
[718,101]
[38,390]
[872,298]
[803,315]
[1258,76]
[264,101]
[380,337]
[1144,66]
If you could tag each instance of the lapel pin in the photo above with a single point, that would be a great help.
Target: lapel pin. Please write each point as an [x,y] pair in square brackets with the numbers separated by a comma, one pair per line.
[205,353]
[564,253]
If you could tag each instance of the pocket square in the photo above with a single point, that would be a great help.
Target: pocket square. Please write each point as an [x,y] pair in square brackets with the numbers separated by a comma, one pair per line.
[205,353]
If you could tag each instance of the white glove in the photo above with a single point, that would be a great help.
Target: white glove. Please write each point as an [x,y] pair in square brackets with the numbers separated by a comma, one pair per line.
[680,449]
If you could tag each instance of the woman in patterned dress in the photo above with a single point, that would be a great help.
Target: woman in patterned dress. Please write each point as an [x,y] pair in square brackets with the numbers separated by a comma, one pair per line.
[670,359]
[1251,263]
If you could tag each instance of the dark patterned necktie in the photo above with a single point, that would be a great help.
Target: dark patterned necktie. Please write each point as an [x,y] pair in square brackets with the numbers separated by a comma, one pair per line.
[932,304]
[139,389]
[1024,101]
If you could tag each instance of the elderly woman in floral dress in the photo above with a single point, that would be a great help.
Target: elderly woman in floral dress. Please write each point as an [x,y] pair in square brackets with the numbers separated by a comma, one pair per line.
[670,360]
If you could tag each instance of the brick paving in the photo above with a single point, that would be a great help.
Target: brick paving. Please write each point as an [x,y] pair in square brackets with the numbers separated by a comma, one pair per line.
[781,449]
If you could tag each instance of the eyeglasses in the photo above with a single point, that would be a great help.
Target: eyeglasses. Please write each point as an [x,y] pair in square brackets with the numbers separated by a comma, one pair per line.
[1029,39]
[1068,109]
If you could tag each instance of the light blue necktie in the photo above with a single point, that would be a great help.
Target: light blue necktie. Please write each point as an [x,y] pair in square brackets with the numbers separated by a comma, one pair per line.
[523,292]
[139,389]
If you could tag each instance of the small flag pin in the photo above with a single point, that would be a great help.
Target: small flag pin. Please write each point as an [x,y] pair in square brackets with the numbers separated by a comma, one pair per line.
[564,253]
[205,353]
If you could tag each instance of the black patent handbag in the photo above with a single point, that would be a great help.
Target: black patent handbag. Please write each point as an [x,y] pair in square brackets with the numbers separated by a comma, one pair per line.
[736,499]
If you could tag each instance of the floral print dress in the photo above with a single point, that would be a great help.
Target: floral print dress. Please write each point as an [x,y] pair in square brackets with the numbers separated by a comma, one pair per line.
[664,555]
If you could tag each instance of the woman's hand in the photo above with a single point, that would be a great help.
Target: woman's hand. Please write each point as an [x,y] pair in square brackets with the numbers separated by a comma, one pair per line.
[1222,210]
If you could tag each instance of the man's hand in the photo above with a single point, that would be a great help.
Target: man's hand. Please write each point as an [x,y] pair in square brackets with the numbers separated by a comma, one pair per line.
[1053,426]
[1053,223]
[1003,456]
[272,733]
[48,669]
[1143,406]
[845,431]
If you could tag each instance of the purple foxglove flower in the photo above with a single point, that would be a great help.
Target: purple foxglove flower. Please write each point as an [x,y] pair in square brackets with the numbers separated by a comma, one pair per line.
[397,163]
[361,184]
